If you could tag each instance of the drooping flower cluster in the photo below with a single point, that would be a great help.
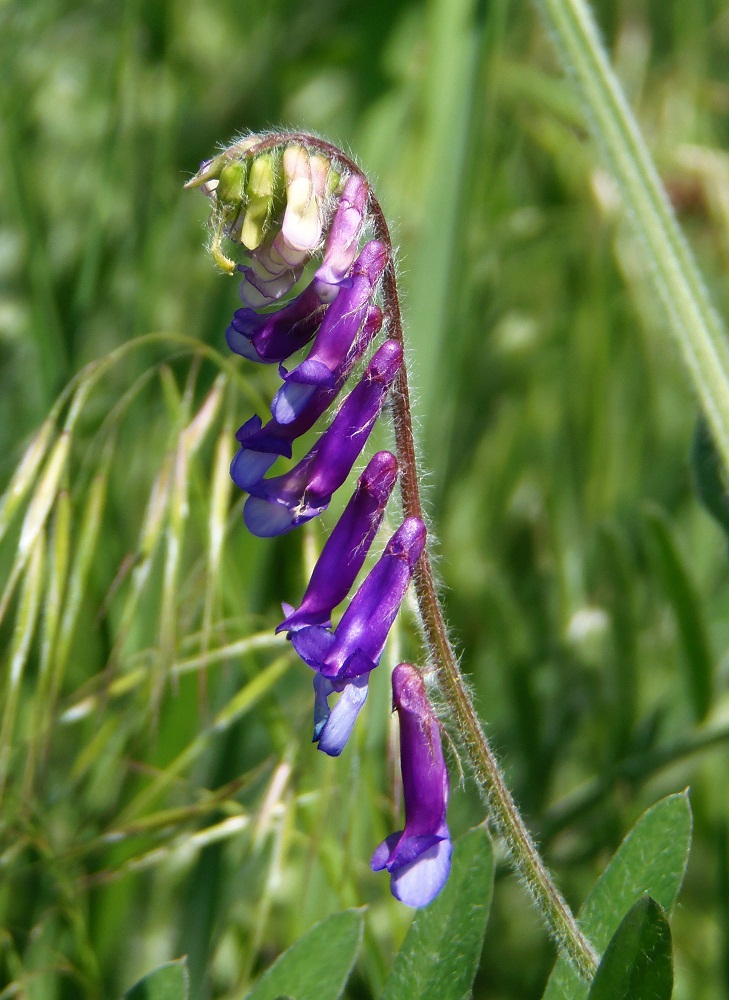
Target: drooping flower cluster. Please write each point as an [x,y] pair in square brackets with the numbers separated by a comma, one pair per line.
[283,206]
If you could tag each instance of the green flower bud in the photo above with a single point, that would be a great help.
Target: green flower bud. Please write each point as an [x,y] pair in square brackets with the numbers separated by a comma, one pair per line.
[231,184]
[261,191]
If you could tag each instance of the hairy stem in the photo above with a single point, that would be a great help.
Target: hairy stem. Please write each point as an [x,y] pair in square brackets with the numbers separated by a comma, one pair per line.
[503,811]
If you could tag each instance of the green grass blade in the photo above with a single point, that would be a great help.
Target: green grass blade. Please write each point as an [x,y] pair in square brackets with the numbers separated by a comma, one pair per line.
[85,552]
[52,608]
[25,474]
[29,603]
[37,513]
[695,323]
[242,702]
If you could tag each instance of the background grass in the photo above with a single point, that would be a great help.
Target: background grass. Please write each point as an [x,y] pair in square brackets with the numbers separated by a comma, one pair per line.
[160,794]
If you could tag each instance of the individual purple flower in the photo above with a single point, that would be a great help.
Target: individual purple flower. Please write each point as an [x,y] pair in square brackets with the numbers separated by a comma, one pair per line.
[283,502]
[345,550]
[418,857]
[273,337]
[344,658]
[343,238]
[335,337]
[260,446]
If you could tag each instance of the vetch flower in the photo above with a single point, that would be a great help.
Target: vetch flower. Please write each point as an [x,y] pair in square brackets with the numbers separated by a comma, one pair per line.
[261,446]
[341,246]
[273,337]
[344,658]
[418,857]
[345,550]
[335,337]
[281,503]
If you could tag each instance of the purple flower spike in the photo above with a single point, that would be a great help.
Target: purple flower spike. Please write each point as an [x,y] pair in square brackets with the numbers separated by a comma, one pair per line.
[418,857]
[273,337]
[346,548]
[279,504]
[343,238]
[261,446]
[345,658]
[337,333]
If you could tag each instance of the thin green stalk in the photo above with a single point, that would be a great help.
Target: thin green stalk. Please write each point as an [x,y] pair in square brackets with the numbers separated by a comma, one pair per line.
[695,324]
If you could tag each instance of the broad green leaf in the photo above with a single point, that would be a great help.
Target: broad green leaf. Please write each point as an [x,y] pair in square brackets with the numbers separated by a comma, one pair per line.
[317,966]
[441,951]
[684,599]
[637,963]
[168,982]
[651,860]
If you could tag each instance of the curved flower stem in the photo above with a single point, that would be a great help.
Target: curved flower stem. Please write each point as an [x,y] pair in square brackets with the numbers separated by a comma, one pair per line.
[558,916]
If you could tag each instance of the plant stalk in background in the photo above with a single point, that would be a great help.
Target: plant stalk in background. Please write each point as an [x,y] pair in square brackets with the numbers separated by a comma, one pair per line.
[696,325]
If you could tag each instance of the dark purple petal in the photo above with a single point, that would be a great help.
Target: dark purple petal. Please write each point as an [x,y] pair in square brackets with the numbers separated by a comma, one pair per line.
[383,852]
[273,337]
[361,634]
[419,857]
[307,489]
[424,773]
[340,445]
[261,446]
[337,333]
[367,621]
[301,404]
[346,548]
[313,644]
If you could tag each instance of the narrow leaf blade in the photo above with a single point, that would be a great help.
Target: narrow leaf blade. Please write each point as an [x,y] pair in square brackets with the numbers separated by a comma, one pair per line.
[440,955]
[637,963]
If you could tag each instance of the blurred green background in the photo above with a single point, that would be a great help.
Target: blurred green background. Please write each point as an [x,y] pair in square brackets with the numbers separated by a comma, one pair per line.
[160,795]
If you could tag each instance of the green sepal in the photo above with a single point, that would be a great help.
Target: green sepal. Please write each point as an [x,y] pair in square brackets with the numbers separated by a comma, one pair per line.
[334,182]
